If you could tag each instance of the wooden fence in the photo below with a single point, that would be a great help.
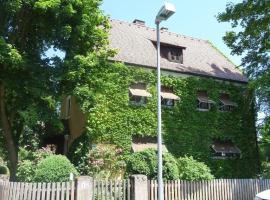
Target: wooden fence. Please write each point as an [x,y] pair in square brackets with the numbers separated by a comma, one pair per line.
[112,190]
[37,191]
[219,189]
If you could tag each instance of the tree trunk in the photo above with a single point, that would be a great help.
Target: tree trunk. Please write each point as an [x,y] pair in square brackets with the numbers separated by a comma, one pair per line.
[7,131]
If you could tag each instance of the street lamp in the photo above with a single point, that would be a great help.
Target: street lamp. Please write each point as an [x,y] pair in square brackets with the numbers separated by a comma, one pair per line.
[164,13]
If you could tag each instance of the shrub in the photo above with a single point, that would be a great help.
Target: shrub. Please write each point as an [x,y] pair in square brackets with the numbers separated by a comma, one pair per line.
[54,168]
[105,161]
[26,171]
[145,162]
[4,170]
[190,169]
[79,153]
[28,161]
[266,170]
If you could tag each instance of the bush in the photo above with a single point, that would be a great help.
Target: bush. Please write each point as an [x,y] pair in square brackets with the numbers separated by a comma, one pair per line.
[54,168]
[4,170]
[28,161]
[266,170]
[190,169]
[105,161]
[79,153]
[26,171]
[145,162]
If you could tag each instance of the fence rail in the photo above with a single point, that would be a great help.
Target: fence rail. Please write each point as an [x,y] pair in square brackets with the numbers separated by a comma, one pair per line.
[219,189]
[37,191]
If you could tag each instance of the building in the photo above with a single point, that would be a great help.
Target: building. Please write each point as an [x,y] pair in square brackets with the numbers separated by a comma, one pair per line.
[208,111]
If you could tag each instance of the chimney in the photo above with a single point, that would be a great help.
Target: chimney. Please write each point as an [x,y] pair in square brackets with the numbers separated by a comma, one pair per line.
[164,28]
[139,22]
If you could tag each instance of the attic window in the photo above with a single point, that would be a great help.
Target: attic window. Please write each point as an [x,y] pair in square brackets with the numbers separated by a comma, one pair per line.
[168,97]
[203,102]
[138,94]
[175,55]
[225,149]
[226,104]
[171,52]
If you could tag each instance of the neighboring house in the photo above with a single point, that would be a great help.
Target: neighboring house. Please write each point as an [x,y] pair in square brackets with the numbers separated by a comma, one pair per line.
[208,111]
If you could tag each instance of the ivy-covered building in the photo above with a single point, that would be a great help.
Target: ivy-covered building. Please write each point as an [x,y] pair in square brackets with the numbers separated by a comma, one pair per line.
[208,110]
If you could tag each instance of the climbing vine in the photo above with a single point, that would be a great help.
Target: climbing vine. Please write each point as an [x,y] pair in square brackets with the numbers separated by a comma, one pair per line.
[186,131]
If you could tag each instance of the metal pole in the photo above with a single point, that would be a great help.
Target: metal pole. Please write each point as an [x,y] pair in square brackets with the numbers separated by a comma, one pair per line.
[160,181]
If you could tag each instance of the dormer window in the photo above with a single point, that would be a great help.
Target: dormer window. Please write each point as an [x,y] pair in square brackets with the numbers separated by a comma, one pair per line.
[168,98]
[175,55]
[226,105]
[203,102]
[171,52]
[138,94]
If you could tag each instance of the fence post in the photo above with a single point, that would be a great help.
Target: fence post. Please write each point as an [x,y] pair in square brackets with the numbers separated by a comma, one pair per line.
[139,187]
[84,188]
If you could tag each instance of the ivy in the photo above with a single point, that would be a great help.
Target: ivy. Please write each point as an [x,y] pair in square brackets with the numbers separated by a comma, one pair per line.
[186,131]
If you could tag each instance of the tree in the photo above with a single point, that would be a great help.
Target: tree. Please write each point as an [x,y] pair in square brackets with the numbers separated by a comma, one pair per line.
[31,83]
[250,21]
[250,38]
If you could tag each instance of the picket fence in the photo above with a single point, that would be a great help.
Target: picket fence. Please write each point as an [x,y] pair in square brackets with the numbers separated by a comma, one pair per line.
[37,191]
[219,189]
[112,190]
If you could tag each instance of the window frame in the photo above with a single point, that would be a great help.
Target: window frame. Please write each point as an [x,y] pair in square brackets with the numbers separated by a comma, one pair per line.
[68,107]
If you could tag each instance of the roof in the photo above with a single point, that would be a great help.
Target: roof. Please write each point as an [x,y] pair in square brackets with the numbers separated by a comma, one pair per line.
[136,46]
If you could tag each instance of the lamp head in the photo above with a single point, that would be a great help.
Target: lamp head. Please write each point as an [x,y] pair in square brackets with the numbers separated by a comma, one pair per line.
[165,12]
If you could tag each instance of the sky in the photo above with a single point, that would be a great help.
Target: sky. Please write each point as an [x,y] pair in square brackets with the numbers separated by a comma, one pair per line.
[195,18]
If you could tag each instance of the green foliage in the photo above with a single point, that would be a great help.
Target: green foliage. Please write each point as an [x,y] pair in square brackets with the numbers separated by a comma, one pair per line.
[4,169]
[26,171]
[105,162]
[55,168]
[250,38]
[186,131]
[79,153]
[75,29]
[192,170]
[266,170]
[145,162]
[28,161]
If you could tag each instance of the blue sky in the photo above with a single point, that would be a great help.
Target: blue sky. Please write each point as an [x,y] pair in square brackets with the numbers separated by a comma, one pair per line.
[194,18]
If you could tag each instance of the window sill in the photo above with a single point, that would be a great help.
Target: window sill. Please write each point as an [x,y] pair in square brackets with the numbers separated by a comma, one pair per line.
[203,110]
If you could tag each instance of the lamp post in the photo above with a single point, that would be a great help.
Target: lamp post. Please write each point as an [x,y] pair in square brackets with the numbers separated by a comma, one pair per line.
[164,13]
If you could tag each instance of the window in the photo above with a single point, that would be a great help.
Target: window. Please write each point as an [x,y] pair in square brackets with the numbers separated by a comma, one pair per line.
[222,149]
[138,94]
[225,104]
[175,55]
[168,98]
[203,102]
[68,106]
[167,102]
[171,52]
[137,100]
